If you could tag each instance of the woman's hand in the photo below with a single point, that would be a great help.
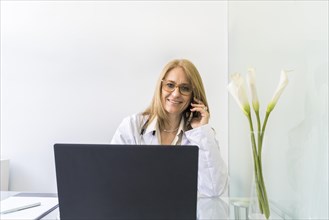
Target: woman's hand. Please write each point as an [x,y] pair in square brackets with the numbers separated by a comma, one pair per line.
[202,117]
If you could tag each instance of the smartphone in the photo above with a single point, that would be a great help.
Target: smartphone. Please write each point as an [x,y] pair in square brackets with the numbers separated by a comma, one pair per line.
[193,114]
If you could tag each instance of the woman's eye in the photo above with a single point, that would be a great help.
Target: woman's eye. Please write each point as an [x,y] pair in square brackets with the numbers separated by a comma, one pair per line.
[171,85]
[186,88]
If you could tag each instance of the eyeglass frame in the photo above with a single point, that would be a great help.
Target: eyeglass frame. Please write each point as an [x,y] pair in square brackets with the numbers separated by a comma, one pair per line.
[176,86]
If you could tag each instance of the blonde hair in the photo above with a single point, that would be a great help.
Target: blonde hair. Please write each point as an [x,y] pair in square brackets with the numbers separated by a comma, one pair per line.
[156,108]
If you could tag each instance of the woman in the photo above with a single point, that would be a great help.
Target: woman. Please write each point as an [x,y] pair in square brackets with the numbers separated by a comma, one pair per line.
[178,115]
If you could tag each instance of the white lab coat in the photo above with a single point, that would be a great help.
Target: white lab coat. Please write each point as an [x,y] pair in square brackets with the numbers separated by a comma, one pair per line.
[212,173]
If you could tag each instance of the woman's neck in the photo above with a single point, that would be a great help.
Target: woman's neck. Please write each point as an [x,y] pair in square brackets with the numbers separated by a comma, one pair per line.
[172,123]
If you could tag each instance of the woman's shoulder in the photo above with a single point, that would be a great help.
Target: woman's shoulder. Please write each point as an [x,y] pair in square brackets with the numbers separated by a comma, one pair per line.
[135,120]
[136,117]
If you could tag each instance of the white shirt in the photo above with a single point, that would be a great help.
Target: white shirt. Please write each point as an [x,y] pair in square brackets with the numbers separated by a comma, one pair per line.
[212,173]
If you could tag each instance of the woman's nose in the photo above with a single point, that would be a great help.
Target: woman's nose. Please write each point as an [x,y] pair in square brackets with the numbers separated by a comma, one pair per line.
[176,92]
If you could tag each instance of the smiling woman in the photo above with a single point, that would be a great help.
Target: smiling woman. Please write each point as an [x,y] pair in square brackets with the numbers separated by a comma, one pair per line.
[179,115]
[175,101]
[69,70]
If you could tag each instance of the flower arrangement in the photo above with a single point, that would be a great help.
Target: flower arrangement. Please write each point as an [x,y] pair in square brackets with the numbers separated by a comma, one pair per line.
[237,89]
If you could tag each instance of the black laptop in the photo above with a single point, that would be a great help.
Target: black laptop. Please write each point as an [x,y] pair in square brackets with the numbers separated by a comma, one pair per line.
[126,181]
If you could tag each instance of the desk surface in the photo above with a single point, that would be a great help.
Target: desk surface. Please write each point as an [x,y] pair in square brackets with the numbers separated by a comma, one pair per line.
[51,216]
[207,208]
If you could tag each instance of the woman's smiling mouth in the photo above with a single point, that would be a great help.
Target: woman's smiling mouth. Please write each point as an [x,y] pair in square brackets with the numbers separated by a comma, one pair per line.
[176,102]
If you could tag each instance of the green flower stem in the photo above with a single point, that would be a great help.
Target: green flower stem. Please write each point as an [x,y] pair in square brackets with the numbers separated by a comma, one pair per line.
[260,147]
[266,207]
[259,131]
[260,136]
[262,133]
[258,180]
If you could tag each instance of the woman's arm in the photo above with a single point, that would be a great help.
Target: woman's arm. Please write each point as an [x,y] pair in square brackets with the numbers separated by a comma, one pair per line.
[212,175]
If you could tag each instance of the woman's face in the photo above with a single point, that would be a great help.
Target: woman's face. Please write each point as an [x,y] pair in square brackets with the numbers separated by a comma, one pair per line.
[175,82]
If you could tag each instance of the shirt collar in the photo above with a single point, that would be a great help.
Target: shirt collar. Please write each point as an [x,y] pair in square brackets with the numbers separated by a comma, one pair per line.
[153,126]
[181,127]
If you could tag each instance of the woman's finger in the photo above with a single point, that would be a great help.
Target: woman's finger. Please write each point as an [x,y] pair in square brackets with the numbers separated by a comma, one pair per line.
[200,106]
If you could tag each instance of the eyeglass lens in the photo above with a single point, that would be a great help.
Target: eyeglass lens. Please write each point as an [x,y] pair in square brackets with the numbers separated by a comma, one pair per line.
[169,86]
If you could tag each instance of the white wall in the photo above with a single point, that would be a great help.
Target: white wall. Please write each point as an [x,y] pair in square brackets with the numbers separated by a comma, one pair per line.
[275,35]
[71,70]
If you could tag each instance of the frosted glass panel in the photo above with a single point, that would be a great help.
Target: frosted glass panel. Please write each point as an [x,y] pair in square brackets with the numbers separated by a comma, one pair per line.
[270,36]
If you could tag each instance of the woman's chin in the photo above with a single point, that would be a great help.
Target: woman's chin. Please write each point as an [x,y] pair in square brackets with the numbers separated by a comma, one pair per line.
[173,111]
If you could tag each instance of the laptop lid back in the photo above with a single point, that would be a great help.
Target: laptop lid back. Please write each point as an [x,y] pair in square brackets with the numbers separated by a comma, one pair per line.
[126,181]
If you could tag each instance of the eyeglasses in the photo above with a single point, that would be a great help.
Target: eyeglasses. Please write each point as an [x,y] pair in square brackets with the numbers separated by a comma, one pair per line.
[170,86]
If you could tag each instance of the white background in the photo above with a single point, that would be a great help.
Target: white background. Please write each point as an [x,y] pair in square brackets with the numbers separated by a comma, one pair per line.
[270,36]
[72,70]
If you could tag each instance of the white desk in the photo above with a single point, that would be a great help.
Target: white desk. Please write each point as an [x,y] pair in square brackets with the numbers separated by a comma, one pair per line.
[207,208]
[50,216]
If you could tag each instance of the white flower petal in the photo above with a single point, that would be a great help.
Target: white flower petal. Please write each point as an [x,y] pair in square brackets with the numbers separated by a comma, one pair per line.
[251,79]
[237,89]
[282,85]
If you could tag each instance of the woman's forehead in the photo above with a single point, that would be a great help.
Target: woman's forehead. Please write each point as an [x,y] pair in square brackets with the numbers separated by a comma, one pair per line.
[177,75]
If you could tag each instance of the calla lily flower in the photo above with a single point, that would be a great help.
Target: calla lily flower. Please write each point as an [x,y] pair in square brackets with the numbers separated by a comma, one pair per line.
[238,90]
[251,79]
[282,85]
